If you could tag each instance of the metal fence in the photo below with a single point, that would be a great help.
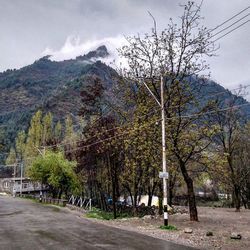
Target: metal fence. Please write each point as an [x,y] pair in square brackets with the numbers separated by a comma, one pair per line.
[84,203]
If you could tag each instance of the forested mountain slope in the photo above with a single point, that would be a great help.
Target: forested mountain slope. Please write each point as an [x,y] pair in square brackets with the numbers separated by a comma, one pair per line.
[54,86]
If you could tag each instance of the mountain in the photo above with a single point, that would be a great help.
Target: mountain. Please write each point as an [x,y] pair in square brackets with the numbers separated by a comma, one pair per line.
[47,85]
[32,85]
[54,86]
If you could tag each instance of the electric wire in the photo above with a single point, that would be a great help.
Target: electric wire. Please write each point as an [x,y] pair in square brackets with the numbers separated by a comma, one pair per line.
[229,19]
[231,25]
[230,31]
[172,118]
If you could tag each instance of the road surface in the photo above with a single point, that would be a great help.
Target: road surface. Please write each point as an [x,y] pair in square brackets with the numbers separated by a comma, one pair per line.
[25,224]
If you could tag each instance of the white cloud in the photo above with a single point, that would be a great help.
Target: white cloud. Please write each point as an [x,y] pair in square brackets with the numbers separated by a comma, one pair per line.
[74,47]
[28,27]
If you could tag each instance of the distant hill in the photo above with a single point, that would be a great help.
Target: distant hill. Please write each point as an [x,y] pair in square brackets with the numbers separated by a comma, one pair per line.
[53,86]
[47,85]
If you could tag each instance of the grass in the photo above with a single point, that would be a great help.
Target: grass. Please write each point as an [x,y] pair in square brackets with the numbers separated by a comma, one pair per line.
[169,228]
[103,215]
[27,197]
[36,200]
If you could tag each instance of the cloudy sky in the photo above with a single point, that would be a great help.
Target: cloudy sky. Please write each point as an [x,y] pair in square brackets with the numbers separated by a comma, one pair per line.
[67,28]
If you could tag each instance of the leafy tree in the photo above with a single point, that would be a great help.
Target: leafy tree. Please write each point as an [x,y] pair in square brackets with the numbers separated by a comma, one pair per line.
[11,159]
[229,123]
[243,160]
[140,147]
[58,132]
[56,172]
[35,132]
[47,123]
[176,54]
[69,130]
[34,137]
[70,138]
[92,97]
[20,144]
[98,155]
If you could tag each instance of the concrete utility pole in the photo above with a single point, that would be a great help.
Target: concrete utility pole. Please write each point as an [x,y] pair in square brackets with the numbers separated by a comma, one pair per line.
[21,179]
[15,170]
[164,158]
[164,174]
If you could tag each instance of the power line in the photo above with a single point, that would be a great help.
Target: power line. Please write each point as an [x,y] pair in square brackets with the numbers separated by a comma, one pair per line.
[230,26]
[152,112]
[228,90]
[65,144]
[107,130]
[228,20]
[231,31]
[172,118]
[106,139]
[209,112]
[97,142]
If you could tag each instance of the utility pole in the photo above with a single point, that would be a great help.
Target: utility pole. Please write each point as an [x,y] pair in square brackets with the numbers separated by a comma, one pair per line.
[164,158]
[164,173]
[21,180]
[15,170]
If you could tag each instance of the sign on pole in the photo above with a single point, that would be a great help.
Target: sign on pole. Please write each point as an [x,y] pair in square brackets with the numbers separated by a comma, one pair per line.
[163,175]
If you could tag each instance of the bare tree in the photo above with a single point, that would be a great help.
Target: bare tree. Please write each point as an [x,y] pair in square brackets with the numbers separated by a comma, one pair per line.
[177,54]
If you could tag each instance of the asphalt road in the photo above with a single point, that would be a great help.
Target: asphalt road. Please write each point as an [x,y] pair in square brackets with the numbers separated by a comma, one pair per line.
[27,225]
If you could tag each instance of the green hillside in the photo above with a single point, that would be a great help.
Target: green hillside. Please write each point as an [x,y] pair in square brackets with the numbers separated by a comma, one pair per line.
[55,86]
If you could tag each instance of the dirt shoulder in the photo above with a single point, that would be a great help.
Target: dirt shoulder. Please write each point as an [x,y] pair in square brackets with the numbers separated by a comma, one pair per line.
[221,221]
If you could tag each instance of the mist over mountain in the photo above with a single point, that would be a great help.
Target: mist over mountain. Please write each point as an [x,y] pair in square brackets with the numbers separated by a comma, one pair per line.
[54,86]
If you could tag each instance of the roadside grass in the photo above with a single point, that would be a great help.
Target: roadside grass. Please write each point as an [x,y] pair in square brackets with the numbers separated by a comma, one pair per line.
[36,200]
[33,199]
[27,198]
[169,228]
[99,214]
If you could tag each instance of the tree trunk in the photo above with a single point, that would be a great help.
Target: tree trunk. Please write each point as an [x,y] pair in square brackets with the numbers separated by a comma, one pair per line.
[151,194]
[103,201]
[170,196]
[54,193]
[111,167]
[60,194]
[150,197]
[114,198]
[191,196]
[237,198]
[244,201]
[191,200]
[135,203]
[117,186]
[171,186]
[130,195]
[114,208]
